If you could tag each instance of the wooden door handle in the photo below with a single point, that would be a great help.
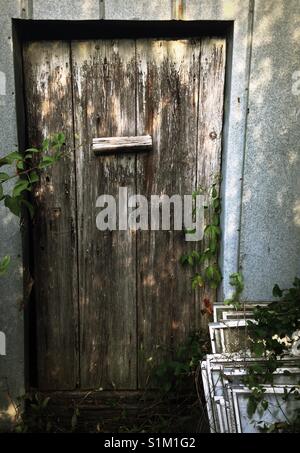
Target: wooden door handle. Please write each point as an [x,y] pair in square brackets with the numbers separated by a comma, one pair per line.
[114,145]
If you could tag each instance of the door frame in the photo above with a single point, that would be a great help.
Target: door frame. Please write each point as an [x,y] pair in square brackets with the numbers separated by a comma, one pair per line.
[37,30]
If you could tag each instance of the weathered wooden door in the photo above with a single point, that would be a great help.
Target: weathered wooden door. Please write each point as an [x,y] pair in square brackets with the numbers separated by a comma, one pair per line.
[107,302]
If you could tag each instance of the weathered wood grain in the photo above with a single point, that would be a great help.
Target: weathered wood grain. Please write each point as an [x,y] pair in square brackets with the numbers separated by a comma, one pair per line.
[168,81]
[104,103]
[127,291]
[109,145]
[209,132]
[49,111]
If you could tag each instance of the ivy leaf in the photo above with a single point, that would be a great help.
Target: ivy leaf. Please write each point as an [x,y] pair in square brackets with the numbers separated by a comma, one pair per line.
[212,230]
[216,204]
[214,192]
[184,259]
[195,255]
[258,348]
[277,292]
[215,219]
[197,281]
[61,138]
[213,245]
[20,165]
[209,272]
[4,177]
[20,186]
[3,161]
[33,177]
[13,204]
[13,156]
[1,192]
[46,144]
[46,161]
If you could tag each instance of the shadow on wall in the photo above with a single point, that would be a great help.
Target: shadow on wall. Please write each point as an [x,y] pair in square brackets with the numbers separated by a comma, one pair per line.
[270,234]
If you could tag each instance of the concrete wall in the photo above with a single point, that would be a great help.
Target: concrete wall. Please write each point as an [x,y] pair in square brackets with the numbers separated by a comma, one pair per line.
[261,163]
[11,286]
[270,228]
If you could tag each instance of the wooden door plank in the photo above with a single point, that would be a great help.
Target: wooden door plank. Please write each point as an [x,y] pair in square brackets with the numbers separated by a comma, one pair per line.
[104,101]
[109,145]
[168,82]
[49,111]
[210,123]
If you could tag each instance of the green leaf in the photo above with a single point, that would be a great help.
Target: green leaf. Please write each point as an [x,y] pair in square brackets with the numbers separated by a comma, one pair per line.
[14,156]
[20,165]
[45,402]
[190,260]
[216,204]
[184,259]
[13,204]
[33,177]
[213,245]
[4,177]
[3,161]
[258,349]
[4,263]
[214,285]
[197,281]
[212,231]
[209,272]
[215,220]
[32,150]
[1,192]
[46,162]
[46,144]
[58,141]
[20,186]
[277,292]
[214,192]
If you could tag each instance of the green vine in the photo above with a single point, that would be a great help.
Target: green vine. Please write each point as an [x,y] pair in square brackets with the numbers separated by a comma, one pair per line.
[175,407]
[237,281]
[271,333]
[24,172]
[205,262]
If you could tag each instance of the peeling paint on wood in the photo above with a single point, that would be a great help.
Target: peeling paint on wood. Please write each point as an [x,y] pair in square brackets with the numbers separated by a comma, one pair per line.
[210,124]
[104,102]
[135,300]
[168,79]
[49,110]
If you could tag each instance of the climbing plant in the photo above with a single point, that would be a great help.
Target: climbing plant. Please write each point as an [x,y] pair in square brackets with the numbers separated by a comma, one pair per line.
[272,331]
[236,280]
[204,259]
[21,173]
